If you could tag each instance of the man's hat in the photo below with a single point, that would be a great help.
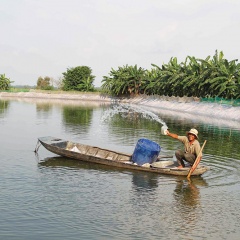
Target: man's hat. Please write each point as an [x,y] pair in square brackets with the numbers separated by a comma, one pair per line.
[194,132]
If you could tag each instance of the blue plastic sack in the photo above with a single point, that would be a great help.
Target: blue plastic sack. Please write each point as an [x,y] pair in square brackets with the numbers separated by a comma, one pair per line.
[146,151]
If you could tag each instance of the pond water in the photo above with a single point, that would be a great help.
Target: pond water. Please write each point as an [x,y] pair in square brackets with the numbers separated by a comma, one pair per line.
[49,197]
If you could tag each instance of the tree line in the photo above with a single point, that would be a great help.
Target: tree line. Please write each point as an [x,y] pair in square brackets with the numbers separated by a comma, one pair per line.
[211,77]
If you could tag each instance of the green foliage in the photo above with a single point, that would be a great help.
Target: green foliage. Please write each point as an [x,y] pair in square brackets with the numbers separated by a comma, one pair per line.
[5,82]
[216,77]
[127,80]
[44,83]
[79,78]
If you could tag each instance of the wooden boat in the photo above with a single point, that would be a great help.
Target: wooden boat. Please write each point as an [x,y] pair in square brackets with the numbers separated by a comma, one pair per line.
[107,157]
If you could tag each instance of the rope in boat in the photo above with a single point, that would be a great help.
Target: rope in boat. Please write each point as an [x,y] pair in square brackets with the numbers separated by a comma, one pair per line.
[37,146]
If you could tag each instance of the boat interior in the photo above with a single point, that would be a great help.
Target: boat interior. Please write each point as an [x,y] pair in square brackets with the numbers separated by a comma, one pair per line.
[97,152]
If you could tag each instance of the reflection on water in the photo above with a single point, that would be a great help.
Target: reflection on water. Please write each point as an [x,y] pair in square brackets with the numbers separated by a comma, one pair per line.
[77,118]
[44,107]
[4,105]
[186,194]
[188,205]
[144,181]
[62,162]
[44,110]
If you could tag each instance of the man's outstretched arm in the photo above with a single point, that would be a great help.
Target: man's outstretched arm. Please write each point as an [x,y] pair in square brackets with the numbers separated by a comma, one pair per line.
[173,135]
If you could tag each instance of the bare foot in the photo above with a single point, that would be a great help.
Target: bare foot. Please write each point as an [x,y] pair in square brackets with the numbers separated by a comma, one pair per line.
[180,166]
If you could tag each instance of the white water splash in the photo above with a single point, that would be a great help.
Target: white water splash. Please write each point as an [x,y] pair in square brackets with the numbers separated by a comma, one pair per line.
[127,109]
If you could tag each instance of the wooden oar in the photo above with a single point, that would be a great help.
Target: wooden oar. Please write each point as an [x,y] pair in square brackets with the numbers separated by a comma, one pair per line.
[197,161]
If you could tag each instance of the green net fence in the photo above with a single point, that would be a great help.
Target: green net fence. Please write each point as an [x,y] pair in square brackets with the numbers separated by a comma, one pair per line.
[232,102]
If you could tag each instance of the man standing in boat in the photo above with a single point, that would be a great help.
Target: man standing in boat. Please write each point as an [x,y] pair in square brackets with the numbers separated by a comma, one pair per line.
[191,147]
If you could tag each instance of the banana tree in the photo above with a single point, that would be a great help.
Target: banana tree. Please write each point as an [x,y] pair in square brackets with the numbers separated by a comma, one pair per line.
[126,80]
[86,85]
[193,77]
[5,82]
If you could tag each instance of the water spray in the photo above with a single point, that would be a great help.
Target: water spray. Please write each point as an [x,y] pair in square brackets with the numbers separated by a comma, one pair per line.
[131,109]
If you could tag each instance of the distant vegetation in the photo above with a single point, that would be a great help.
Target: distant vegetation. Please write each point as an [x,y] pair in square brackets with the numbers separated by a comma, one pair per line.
[79,78]
[126,80]
[210,77]
[44,83]
[213,77]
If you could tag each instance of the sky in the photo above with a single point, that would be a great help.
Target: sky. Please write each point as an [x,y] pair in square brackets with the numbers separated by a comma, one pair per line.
[46,37]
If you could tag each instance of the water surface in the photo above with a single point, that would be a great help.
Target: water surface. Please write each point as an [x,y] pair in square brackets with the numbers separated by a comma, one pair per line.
[51,197]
